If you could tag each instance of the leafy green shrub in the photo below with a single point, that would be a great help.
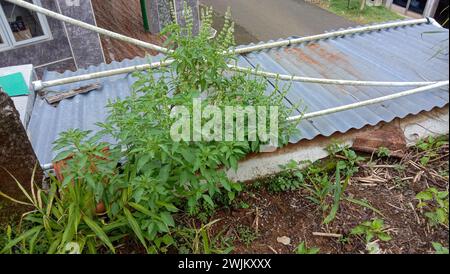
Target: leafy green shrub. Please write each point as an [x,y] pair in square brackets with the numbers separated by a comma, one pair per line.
[327,180]
[436,202]
[288,179]
[146,177]
[185,172]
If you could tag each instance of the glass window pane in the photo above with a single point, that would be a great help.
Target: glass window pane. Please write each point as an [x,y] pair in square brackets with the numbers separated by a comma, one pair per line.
[24,24]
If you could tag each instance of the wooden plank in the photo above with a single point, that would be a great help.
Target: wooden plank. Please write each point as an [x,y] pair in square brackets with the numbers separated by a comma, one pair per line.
[54,99]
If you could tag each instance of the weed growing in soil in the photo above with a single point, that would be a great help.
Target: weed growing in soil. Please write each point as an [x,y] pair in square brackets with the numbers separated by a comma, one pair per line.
[429,147]
[395,184]
[324,181]
[193,240]
[373,229]
[246,234]
[303,249]
[439,248]
[327,181]
[290,178]
[383,152]
[435,204]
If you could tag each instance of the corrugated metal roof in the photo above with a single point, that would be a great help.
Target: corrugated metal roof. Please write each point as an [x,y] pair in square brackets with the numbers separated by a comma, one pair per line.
[396,54]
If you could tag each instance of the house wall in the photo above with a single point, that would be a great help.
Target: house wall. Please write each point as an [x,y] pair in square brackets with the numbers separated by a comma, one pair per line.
[429,11]
[70,47]
[158,13]
[86,46]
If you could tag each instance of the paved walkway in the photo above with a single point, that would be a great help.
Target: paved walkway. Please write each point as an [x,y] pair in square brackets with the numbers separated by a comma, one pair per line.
[274,19]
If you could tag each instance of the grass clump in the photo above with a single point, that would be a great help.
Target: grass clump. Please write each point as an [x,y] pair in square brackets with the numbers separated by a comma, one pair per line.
[366,16]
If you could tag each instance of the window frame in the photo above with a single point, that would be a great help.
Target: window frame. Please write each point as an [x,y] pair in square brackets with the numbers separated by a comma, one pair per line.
[8,36]
[4,42]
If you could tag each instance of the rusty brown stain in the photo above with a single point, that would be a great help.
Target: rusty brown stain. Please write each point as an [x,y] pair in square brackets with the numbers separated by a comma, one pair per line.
[301,56]
[305,58]
[278,56]
[334,58]
[313,45]
[330,56]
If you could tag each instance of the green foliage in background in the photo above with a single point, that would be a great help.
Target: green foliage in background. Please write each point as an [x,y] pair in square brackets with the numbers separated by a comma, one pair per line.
[352,11]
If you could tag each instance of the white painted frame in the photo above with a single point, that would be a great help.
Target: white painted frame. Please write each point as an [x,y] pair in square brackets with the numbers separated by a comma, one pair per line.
[3,40]
[8,35]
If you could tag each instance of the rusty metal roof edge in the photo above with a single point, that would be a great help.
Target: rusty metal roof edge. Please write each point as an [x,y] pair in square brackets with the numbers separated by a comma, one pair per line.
[425,110]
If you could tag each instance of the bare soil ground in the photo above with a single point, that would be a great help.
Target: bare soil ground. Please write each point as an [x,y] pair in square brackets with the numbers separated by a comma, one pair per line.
[388,184]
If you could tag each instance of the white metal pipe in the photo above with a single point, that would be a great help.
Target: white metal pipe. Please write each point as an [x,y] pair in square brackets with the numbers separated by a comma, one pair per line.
[368,102]
[47,167]
[39,85]
[296,78]
[87,26]
[434,22]
[289,42]
[346,107]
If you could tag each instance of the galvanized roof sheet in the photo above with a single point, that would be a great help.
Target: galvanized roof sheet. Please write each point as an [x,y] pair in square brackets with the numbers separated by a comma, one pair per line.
[411,53]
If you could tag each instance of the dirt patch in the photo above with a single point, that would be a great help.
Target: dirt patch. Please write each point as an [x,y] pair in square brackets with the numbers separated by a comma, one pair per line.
[389,185]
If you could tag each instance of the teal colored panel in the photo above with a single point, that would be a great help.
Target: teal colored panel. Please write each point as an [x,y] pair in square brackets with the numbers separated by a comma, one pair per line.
[14,84]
